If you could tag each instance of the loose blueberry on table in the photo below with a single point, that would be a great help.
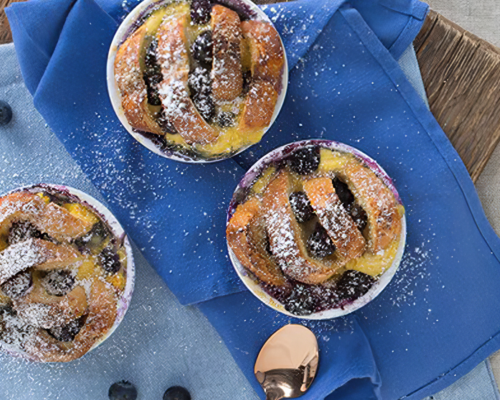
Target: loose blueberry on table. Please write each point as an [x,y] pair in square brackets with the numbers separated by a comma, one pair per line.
[176,393]
[5,113]
[122,390]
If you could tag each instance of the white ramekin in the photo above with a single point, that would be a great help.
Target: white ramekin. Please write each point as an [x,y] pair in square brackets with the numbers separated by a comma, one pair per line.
[118,232]
[126,28]
[252,283]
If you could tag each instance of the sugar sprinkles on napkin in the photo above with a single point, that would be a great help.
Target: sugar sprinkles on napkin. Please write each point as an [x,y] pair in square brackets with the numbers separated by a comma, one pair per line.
[347,69]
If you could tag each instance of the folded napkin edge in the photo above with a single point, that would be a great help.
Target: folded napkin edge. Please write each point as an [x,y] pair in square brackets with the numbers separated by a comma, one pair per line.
[410,31]
[429,124]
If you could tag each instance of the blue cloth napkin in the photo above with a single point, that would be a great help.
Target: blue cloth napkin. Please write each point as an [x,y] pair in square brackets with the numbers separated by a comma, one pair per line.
[345,85]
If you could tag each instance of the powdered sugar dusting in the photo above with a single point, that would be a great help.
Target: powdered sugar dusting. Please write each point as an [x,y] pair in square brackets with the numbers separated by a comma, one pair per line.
[19,257]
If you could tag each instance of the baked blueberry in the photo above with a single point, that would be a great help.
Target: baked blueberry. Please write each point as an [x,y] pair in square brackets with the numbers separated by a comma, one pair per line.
[22,230]
[17,286]
[58,282]
[122,390]
[5,113]
[354,284]
[300,301]
[93,239]
[67,333]
[344,194]
[226,119]
[267,245]
[205,106]
[301,206]
[200,11]
[176,393]
[109,260]
[305,160]
[319,243]
[200,86]
[152,74]
[202,49]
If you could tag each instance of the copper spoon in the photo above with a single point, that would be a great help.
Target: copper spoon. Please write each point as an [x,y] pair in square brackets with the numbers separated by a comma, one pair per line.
[287,363]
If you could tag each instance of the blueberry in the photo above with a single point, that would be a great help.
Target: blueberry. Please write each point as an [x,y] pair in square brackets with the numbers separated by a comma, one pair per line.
[58,282]
[68,332]
[354,284]
[93,239]
[5,113]
[305,160]
[176,393]
[267,245]
[200,11]
[200,86]
[200,83]
[202,48]
[17,286]
[344,194]
[319,243]
[301,206]
[109,260]
[226,119]
[152,74]
[122,390]
[150,61]
[300,301]
[22,230]
[347,198]
[205,106]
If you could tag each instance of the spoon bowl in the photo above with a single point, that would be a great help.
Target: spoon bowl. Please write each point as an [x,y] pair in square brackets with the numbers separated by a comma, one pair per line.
[287,363]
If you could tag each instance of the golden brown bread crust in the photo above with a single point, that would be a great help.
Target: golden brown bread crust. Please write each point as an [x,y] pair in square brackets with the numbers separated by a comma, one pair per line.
[60,224]
[42,310]
[266,52]
[56,256]
[35,253]
[129,78]
[178,107]
[19,206]
[227,74]
[51,219]
[259,107]
[242,232]
[384,221]
[101,316]
[285,238]
[335,219]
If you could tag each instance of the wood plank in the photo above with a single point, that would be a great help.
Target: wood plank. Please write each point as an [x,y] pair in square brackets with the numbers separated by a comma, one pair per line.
[461,75]
[5,34]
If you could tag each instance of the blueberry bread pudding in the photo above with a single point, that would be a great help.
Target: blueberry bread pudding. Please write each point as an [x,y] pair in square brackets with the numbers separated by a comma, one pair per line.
[62,272]
[200,79]
[317,228]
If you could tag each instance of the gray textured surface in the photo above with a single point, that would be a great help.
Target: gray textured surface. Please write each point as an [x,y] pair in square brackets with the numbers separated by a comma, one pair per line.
[481,17]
